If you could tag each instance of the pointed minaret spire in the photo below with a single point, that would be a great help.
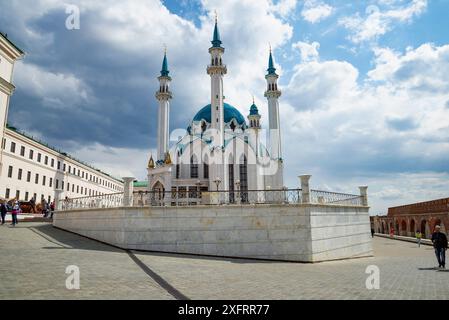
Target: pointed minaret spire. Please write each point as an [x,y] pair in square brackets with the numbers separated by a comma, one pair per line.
[164,71]
[271,69]
[216,42]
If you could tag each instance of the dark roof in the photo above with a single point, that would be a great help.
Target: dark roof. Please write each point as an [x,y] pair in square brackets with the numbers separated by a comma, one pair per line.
[12,43]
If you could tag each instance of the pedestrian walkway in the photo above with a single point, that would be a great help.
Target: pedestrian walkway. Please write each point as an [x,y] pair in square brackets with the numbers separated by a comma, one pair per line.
[34,258]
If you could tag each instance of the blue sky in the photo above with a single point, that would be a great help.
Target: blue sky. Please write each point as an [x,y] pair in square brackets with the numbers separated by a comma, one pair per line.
[365,83]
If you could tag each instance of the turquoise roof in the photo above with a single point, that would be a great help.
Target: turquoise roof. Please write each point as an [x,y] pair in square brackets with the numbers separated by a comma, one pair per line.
[164,71]
[230,113]
[253,111]
[271,69]
[216,42]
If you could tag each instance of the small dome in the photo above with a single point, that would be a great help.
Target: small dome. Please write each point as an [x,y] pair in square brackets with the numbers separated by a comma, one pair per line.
[230,113]
[253,111]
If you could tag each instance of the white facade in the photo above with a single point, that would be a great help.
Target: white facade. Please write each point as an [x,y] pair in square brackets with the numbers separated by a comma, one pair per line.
[221,150]
[30,169]
[9,54]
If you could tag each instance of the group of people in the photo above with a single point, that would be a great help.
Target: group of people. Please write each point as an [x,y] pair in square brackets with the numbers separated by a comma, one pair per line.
[14,212]
[13,206]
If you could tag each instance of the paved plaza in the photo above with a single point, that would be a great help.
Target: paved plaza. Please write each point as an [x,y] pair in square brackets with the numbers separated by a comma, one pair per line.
[34,257]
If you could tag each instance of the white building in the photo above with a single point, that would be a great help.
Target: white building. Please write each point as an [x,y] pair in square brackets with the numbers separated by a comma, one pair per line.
[29,168]
[221,150]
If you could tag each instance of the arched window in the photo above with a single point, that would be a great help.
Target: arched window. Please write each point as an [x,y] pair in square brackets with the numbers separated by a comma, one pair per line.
[193,168]
[221,62]
[243,168]
[216,61]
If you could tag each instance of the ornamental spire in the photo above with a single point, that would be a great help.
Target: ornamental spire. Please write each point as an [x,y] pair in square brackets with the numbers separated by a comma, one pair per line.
[271,69]
[164,71]
[216,42]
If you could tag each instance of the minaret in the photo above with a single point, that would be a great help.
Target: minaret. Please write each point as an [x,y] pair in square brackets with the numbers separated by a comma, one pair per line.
[272,94]
[163,96]
[254,126]
[217,70]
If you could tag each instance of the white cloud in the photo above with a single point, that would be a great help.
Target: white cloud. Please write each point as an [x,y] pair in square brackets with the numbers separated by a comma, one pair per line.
[315,11]
[378,22]
[285,8]
[309,51]
[389,132]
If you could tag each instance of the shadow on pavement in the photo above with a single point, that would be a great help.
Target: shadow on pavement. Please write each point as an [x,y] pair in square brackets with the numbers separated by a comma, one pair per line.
[67,240]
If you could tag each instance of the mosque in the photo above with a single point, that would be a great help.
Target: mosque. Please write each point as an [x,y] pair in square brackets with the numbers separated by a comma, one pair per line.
[221,149]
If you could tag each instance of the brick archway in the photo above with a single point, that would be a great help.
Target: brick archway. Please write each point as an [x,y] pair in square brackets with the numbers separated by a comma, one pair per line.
[412,228]
[403,231]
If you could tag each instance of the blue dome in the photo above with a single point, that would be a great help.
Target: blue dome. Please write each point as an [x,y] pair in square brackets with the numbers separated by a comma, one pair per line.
[253,111]
[229,113]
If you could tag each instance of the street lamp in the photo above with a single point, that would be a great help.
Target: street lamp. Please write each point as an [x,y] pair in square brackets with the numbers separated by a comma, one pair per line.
[198,185]
[237,184]
[217,181]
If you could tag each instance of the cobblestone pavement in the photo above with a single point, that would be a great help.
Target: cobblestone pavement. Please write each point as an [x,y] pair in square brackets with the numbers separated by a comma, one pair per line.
[34,257]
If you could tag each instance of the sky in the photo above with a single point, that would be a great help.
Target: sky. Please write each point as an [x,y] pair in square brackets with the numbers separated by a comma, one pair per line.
[365,84]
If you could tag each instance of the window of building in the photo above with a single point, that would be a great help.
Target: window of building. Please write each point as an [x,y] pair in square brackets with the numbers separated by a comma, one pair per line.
[39,157]
[77,189]
[52,163]
[17,195]
[68,186]
[19,175]
[57,184]
[7,193]
[22,151]
[27,195]
[35,196]
[206,171]
[44,178]
[49,199]
[31,154]
[46,160]
[59,165]
[63,167]
[51,183]
[193,168]
[10,172]
[36,179]
[13,147]
[73,188]
[79,173]
[29,176]
[70,169]
[81,190]
[4,144]
[62,185]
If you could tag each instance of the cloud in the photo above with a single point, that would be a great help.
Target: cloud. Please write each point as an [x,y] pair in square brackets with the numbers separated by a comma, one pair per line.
[347,133]
[284,8]
[309,51]
[378,22]
[315,11]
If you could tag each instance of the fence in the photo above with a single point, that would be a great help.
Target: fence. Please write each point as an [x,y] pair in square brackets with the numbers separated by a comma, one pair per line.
[197,197]
[113,200]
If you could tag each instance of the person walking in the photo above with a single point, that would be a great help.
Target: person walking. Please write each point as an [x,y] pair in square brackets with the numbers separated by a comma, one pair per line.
[372,232]
[33,204]
[3,211]
[52,209]
[418,237]
[15,211]
[439,241]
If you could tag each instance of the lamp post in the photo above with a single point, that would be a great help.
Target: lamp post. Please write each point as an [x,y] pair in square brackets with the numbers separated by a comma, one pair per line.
[198,185]
[217,181]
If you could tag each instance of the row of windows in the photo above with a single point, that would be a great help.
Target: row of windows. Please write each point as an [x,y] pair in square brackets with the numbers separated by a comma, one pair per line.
[26,195]
[79,189]
[194,171]
[61,166]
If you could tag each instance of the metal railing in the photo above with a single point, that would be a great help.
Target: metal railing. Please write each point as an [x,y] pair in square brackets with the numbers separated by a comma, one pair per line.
[194,197]
[197,197]
[112,200]
[327,197]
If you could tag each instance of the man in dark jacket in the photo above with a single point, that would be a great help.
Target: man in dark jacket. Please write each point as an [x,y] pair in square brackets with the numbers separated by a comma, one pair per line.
[439,241]
[3,211]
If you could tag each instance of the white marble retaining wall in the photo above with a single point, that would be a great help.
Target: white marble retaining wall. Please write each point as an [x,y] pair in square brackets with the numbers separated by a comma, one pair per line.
[307,233]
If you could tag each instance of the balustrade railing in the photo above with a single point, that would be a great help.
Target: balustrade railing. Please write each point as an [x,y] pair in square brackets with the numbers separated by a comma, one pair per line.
[327,197]
[197,197]
[112,200]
